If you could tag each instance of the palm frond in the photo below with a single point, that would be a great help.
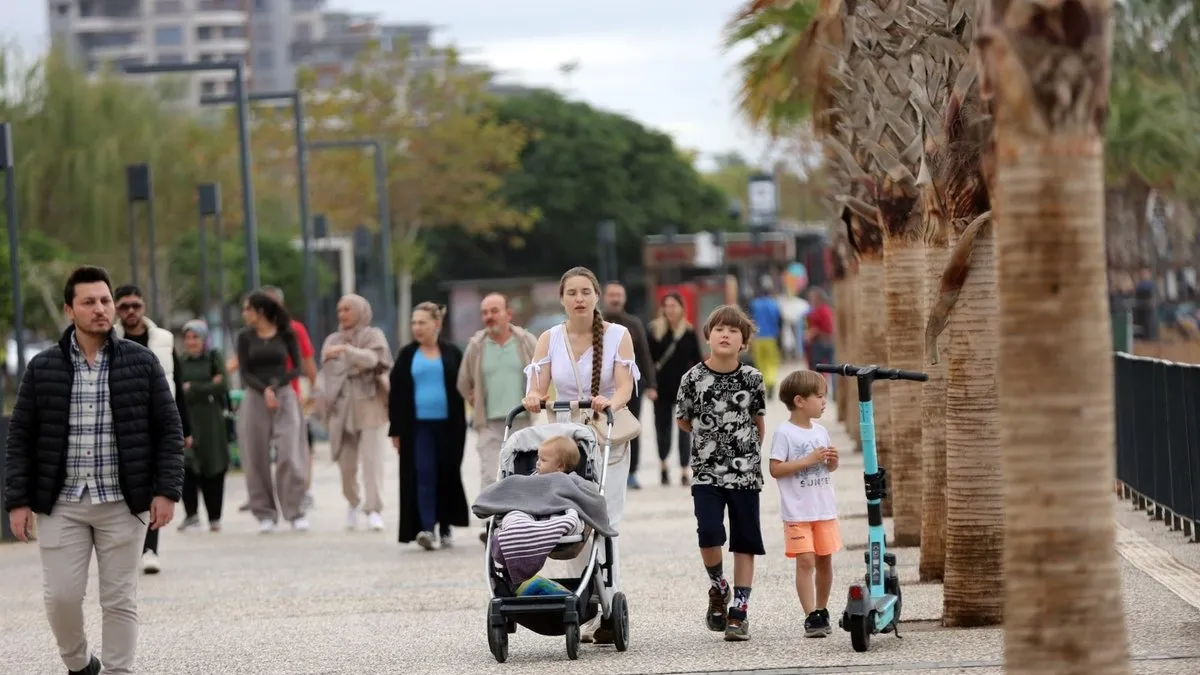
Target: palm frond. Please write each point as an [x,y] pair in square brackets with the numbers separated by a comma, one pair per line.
[784,75]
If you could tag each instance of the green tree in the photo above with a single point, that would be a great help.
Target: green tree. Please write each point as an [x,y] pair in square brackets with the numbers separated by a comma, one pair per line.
[281,264]
[73,136]
[43,268]
[584,166]
[446,151]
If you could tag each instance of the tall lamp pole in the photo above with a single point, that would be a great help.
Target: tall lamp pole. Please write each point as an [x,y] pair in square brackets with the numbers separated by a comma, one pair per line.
[391,327]
[238,69]
[14,259]
[296,100]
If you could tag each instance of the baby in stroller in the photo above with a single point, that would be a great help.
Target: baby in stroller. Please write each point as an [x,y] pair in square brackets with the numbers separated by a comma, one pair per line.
[552,508]
[524,541]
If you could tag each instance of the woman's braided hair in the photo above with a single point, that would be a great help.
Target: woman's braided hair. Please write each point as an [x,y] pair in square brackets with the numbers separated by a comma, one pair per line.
[597,323]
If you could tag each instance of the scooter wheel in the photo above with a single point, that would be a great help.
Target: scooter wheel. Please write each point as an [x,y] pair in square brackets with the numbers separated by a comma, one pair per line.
[861,628]
[572,634]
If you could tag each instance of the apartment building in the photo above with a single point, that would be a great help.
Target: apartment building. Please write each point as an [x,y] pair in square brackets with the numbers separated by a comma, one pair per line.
[273,37]
[128,32]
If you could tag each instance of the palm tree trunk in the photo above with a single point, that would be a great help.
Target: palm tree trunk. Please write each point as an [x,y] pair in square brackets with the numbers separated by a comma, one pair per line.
[974,477]
[904,272]
[872,327]
[1055,353]
[933,439]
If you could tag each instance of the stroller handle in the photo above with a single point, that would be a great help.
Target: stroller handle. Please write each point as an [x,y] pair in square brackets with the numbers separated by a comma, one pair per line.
[556,406]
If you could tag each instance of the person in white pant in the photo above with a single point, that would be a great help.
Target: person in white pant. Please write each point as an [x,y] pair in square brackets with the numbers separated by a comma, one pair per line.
[351,397]
[492,381]
[566,356]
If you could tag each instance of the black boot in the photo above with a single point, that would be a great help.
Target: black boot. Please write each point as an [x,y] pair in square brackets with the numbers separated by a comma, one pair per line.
[92,668]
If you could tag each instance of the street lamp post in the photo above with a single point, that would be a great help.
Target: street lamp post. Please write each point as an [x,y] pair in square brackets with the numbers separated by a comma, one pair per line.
[238,69]
[385,226]
[210,207]
[14,262]
[297,103]
[139,187]
[606,240]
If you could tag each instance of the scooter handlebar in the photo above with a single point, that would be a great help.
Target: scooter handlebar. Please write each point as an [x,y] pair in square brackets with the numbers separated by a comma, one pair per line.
[878,373]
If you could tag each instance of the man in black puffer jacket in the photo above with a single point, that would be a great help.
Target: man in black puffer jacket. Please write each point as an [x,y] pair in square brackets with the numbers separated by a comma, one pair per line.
[95,445]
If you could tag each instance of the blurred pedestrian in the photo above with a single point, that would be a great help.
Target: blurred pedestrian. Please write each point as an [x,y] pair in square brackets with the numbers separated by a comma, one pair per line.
[269,416]
[351,398]
[205,388]
[429,430]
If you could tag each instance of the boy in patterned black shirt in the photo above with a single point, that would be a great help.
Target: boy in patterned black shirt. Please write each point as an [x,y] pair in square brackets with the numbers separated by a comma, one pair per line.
[722,403]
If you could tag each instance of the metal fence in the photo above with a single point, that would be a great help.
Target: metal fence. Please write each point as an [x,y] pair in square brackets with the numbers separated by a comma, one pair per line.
[1158,439]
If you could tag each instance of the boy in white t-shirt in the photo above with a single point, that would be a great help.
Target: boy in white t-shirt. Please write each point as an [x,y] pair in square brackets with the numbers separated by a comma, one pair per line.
[802,457]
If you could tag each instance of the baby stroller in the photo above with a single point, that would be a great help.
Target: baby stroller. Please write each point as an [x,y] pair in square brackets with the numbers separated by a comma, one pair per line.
[590,593]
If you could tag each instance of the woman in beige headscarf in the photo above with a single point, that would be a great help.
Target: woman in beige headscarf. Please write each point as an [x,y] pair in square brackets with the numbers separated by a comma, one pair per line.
[351,399]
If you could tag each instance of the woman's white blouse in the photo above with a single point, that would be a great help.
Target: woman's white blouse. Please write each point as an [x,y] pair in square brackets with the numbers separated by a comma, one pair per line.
[559,359]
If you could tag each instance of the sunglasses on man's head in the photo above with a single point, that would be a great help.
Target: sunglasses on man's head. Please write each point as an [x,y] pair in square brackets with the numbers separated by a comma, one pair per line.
[129,306]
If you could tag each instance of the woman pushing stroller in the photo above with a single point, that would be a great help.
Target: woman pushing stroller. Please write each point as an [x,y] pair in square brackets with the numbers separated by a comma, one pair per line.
[566,355]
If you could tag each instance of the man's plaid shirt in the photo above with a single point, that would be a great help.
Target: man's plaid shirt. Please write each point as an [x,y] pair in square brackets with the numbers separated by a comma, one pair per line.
[91,445]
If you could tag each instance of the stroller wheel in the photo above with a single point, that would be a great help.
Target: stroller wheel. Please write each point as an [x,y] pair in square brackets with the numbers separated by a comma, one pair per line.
[620,621]
[572,634]
[497,629]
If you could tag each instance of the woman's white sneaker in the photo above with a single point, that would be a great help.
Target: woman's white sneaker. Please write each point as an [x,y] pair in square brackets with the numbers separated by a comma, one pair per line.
[300,524]
[374,522]
[266,526]
[352,519]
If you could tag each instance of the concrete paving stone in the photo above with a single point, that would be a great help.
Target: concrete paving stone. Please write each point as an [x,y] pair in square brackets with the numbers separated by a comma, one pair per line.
[331,601]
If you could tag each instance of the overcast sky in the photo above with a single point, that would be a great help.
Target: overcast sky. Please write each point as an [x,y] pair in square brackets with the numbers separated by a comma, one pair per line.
[658,61]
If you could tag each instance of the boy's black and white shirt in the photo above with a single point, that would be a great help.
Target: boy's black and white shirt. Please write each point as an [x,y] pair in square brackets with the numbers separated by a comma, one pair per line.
[722,407]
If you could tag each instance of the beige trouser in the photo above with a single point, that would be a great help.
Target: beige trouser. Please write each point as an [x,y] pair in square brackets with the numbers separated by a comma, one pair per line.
[488,440]
[367,448]
[66,539]
[258,429]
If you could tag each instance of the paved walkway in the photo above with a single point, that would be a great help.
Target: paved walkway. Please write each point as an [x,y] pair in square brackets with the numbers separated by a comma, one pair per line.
[330,601]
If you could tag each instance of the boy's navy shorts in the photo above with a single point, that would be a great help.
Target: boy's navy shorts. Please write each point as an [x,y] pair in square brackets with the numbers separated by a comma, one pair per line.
[745,530]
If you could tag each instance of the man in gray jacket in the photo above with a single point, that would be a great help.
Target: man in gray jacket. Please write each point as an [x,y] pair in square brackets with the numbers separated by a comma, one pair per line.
[492,380]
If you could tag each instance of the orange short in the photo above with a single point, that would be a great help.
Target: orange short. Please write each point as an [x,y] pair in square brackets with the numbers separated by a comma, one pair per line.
[822,537]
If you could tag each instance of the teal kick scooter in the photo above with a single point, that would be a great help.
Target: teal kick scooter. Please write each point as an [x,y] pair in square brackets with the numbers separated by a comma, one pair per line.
[874,606]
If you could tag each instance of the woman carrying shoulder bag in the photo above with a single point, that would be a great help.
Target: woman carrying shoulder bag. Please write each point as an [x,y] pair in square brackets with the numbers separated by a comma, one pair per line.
[675,348]
[590,359]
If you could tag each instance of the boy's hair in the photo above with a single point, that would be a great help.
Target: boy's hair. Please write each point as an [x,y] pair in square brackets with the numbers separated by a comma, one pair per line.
[732,316]
[567,450]
[802,383]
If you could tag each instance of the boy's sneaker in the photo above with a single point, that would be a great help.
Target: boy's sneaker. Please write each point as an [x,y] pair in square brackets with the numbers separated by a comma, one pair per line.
[189,524]
[718,605]
[825,627]
[737,628]
[812,625]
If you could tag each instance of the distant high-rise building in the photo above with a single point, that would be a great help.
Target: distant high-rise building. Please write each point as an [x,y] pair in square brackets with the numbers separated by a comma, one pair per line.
[275,38]
[128,32]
